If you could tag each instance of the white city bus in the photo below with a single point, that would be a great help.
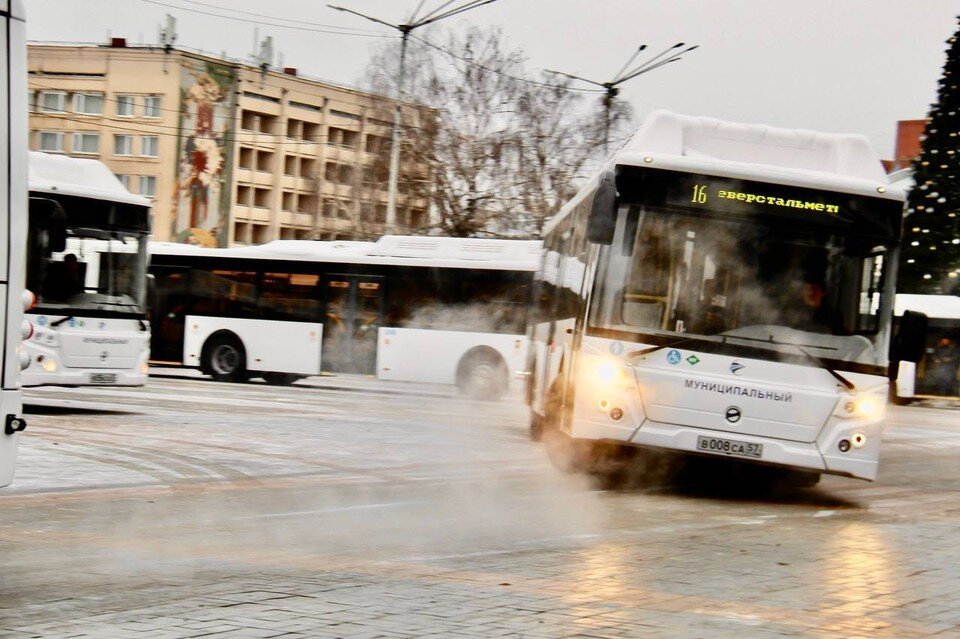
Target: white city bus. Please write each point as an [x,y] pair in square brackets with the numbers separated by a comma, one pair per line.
[86,264]
[723,290]
[13,226]
[935,376]
[420,309]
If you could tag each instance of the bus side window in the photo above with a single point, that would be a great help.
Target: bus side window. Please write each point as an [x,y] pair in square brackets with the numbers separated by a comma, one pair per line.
[292,296]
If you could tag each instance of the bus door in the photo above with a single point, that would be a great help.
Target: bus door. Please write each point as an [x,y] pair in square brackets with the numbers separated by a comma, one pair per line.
[560,333]
[354,313]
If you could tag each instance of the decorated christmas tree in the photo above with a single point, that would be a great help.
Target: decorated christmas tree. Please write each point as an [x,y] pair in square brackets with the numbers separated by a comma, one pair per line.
[930,260]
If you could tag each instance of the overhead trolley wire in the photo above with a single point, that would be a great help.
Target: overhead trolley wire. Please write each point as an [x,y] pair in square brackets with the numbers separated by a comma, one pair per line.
[296,27]
[281,19]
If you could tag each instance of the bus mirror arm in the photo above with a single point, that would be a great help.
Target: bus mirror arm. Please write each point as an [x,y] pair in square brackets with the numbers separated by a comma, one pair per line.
[602,221]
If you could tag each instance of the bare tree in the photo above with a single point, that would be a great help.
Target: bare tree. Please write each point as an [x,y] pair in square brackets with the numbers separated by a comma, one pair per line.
[506,150]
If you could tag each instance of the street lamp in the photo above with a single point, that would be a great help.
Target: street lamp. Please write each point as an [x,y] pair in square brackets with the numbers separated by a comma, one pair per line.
[612,87]
[437,14]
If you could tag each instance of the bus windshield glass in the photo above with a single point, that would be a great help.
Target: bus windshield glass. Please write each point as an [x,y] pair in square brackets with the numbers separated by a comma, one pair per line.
[97,270]
[750,280]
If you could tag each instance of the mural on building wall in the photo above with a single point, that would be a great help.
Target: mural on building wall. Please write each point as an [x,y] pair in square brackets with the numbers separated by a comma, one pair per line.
[201,202]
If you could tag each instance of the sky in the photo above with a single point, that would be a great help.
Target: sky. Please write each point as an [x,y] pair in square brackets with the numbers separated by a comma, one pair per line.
[840,66]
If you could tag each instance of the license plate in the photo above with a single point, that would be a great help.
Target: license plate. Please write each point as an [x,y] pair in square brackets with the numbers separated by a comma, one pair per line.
[720,446]
[103,378]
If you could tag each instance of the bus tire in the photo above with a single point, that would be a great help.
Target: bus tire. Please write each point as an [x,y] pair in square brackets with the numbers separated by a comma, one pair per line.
[536,426]
[224,358]
[280,379]
[482,374]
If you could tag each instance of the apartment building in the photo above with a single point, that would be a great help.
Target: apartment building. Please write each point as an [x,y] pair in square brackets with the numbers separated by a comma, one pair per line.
[229,152]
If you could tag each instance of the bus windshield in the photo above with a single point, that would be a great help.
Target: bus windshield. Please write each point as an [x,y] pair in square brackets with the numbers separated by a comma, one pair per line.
[751,280]
[97,270]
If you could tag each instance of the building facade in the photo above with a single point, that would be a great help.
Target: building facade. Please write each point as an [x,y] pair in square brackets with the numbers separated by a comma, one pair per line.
[229,152]
[909,134]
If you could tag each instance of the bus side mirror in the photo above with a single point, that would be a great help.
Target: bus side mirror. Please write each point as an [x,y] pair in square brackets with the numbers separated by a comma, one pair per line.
[911,339]
[603,213]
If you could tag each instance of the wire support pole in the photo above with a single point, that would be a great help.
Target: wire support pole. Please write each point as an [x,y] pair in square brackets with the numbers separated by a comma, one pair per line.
[441,12]
[391,222]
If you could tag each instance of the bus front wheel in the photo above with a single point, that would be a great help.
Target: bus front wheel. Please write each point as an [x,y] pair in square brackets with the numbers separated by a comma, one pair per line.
[225,359]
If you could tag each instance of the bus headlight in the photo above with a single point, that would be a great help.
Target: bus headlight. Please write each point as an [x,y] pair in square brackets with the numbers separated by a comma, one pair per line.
[50,366]
[865,407]
[609,371]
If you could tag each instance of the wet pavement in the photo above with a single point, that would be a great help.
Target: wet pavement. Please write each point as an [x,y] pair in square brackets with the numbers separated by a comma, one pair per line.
[345,507]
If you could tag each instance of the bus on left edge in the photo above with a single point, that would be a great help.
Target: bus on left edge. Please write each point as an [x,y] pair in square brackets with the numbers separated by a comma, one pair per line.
[13,227]
[86,265]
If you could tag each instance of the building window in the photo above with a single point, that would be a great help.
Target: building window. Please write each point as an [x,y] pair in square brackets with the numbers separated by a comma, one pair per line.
[150,146]
[88,103]
[342,138]
[418,218]
[123,145]
[51,141]
[126,106]
[339,173]
[148,185]
[377,144]
[151,106]
[124,180]
[86,143]
[53,102]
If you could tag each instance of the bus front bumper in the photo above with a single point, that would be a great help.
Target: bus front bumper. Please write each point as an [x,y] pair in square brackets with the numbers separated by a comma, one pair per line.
[825,455]
[84,377]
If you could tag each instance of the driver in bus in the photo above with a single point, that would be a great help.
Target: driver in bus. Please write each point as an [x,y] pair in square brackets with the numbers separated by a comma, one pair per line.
[809,309]
[64,279]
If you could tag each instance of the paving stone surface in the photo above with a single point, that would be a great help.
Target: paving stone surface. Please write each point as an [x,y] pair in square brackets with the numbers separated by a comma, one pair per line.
[350,508]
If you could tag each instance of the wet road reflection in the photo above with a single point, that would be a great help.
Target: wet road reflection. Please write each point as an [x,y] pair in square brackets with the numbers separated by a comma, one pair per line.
[190,503]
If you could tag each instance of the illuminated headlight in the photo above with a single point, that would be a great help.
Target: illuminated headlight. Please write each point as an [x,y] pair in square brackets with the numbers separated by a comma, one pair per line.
[867,407]
[145,369]
[609,371]
[50,366]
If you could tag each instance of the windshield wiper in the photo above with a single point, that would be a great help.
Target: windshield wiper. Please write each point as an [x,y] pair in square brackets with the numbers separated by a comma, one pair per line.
[816,360]
[61,320]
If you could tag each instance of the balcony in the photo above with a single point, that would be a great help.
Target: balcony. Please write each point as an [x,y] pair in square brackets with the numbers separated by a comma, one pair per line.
[251,214]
